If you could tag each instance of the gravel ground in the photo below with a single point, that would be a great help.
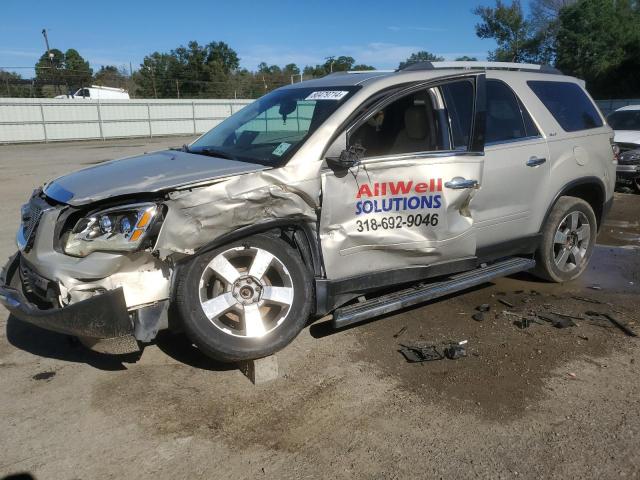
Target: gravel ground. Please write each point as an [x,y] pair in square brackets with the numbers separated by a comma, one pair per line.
[532,403]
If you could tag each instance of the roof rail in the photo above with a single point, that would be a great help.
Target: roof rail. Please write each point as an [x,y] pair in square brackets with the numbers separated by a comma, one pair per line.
[524,67]
[347,72]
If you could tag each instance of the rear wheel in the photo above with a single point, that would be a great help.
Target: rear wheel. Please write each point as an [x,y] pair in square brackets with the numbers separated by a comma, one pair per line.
[567,243]
[245,300]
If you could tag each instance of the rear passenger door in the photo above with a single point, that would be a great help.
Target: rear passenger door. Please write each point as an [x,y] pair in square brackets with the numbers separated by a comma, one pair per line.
[409,201]
[516,167]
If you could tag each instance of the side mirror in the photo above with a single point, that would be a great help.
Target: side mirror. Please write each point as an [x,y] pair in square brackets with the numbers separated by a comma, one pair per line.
[341,157]
[349,157]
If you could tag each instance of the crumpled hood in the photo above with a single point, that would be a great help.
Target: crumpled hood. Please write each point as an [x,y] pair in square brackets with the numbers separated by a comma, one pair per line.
[627,136]
[148,173]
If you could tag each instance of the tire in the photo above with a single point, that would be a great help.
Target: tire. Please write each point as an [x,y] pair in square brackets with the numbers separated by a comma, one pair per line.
[568,237]
[257,294]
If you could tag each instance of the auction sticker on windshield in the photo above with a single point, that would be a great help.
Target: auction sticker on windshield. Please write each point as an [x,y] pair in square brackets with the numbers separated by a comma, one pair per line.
[280,149]
[327,95]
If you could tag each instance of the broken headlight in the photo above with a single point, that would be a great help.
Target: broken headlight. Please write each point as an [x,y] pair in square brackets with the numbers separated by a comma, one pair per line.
[121,229]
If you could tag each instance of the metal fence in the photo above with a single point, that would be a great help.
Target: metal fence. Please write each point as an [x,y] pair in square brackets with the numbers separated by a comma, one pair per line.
[47,120]
[608,106]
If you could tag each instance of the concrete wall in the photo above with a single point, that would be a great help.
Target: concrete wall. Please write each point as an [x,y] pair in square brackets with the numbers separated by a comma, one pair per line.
[48,120]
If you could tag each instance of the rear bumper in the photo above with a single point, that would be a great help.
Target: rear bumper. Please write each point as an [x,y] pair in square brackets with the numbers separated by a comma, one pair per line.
[101,317]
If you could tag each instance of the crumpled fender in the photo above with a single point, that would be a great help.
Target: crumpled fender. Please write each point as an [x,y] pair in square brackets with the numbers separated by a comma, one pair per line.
[199,215]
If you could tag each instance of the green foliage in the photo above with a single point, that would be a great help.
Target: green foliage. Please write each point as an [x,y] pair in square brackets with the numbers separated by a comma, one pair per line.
[465,58]
[191,71]
[332,64]
[13,85]
[421,56]
[111,76]
[68,70]
[599,41]
[515,35]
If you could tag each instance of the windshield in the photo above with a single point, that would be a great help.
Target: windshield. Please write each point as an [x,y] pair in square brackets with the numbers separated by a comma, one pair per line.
[625,120]
[270,130]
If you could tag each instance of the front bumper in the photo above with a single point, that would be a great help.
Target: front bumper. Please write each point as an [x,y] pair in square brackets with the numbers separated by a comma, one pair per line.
[627,172]
[101,322]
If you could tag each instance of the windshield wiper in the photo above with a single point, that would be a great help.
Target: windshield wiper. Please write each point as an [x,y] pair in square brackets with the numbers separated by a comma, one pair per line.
[211,152]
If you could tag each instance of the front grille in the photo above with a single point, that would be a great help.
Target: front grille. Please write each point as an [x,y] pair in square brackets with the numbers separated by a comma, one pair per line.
[31,215]
[31,220]
[624,147]
[630,157]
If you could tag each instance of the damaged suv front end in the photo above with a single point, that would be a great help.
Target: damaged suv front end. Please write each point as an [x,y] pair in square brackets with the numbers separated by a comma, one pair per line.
[98,249]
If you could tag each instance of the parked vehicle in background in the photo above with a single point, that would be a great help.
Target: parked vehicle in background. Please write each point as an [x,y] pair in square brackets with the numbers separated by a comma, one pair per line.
[626,125]
[356,194]
[98,92]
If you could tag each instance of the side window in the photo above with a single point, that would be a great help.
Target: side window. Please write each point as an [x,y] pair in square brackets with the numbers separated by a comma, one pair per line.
[568,103]
[458,98]
[507,119]
[419,122]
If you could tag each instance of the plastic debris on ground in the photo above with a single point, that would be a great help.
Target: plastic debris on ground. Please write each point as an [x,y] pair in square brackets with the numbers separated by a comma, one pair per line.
[429,353]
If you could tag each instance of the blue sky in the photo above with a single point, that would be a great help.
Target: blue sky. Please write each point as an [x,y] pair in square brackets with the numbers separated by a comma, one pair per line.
[379,33]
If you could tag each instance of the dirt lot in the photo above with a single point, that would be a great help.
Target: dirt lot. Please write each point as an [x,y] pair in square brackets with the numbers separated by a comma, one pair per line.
[532,403]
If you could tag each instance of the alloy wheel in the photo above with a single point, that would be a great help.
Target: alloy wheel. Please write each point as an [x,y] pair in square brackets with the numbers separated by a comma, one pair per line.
[246,292]
[571,241]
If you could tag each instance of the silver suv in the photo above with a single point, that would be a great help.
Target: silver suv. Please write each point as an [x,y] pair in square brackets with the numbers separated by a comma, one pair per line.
[316,198]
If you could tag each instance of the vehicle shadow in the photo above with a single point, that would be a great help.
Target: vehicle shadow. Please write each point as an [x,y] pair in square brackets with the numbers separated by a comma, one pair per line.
[180,348]
[45,343]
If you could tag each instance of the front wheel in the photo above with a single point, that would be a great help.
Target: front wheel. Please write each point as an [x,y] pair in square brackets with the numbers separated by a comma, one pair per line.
[568,238]
[245,300]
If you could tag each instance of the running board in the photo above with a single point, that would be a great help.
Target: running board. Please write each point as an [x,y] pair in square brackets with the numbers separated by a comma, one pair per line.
[421,293]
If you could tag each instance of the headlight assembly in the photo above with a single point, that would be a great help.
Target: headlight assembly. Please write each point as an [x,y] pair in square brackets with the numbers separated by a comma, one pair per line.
[120,229]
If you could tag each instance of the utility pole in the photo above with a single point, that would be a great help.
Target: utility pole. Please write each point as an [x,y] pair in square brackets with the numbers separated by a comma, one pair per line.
[153,81]
[50,55]
[178,89]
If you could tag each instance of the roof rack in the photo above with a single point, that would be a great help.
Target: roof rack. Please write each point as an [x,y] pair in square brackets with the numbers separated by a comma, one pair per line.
[348,72]
[522,67]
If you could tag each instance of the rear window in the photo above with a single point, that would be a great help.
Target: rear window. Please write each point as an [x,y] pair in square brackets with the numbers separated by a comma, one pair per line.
[568,104]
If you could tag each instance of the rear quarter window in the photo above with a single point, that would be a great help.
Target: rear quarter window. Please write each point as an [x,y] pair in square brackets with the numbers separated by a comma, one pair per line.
[568,103]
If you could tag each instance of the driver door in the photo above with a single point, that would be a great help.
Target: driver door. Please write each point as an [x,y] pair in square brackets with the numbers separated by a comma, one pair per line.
[408,202]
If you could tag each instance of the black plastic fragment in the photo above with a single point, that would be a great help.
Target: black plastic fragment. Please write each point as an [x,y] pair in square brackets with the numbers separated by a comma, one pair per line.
[418,354]
[485,307]
[478,317]
[454,352]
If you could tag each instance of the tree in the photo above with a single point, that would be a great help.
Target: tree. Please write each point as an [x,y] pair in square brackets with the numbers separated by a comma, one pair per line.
[362,66]
[13,85]
[222,57]
[49,69]
[291,69]
[465,58]
[77,72]
[545,21]
[68,69]
[507,25]
[190,71]
[111,76]
[421,56]
[599,41]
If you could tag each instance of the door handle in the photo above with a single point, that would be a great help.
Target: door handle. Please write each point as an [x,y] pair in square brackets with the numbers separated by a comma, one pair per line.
[459,183]
[535,161]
